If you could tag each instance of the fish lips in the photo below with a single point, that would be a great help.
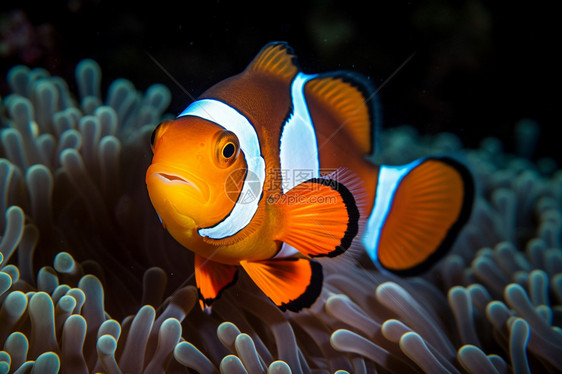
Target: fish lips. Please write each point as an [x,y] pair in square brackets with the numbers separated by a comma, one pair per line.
[178,178]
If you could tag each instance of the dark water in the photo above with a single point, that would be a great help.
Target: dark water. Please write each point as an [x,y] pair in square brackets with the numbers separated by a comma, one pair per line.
[477,67]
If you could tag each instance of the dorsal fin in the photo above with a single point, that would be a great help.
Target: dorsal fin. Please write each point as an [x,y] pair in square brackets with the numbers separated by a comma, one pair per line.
[275,58]
[347,97]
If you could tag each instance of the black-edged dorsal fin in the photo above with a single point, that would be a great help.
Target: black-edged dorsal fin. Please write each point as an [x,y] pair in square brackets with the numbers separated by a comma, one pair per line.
[348,97]
[275,58]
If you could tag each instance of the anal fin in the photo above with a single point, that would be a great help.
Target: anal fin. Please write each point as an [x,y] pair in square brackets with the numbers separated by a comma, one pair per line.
[212,278]
[292,284]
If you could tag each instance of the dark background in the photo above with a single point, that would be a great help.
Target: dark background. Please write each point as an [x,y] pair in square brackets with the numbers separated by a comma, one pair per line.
[478,66]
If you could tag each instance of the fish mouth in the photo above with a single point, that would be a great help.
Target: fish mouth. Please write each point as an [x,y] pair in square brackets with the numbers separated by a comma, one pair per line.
[171,176]
[175,178]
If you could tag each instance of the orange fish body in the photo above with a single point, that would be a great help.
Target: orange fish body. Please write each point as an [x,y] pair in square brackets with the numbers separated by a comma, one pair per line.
[268,169]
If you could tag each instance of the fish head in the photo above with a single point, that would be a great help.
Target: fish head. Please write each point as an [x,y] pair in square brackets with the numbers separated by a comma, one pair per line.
[197,170]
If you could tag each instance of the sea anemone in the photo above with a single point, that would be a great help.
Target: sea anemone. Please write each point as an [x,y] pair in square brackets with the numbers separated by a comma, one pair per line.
[90,282]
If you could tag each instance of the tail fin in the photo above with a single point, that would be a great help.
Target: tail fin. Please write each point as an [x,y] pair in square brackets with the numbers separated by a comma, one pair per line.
[419,209]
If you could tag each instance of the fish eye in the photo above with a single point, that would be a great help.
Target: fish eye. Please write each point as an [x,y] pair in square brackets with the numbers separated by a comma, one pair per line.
[227,149]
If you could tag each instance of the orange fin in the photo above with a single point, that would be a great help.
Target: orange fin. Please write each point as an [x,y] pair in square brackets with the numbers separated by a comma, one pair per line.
[320,217]
[349,99]
[212,278]
[292,284]
[429,202]
[277,58]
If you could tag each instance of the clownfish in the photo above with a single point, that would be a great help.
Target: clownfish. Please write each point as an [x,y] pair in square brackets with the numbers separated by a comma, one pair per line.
[267,170]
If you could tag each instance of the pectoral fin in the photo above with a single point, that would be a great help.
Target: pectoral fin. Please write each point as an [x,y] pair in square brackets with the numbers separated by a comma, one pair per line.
[320,217]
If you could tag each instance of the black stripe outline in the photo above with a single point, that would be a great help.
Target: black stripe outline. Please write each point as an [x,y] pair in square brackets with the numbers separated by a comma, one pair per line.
[352,213]
[209,301]
[309,296]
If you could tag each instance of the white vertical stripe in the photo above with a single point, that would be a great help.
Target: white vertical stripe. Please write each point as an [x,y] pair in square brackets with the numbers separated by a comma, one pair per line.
[232,120]
[299,147]
[389,179]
